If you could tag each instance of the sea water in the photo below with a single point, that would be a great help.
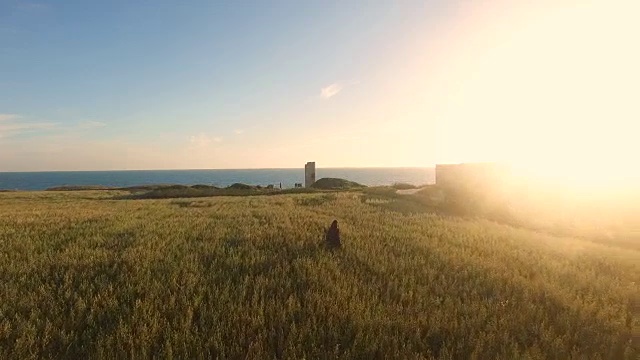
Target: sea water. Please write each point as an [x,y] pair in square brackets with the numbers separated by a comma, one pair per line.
[288,177]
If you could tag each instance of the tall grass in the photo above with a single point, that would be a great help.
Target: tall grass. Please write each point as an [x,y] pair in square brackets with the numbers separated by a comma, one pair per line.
[84,276]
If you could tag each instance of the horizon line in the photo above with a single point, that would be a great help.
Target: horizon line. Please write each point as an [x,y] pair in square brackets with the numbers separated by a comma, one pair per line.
[222,169]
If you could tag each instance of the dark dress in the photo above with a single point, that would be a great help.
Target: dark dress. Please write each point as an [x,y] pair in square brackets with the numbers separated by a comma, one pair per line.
[333,235]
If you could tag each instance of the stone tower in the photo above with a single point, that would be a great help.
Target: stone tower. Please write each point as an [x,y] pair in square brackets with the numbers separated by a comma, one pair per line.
[309,173]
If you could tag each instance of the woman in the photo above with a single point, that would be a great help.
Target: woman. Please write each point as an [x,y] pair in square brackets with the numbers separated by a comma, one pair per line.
[333,235]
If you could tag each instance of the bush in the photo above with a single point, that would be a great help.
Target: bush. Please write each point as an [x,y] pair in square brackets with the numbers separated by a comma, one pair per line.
[204,187]
[240,186]
[336,184]
[403,186]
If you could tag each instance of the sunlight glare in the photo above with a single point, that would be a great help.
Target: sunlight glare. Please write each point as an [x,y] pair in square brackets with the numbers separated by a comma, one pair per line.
[555,96]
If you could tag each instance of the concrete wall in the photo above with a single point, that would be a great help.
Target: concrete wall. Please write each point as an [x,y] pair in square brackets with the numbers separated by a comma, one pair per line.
[309,174]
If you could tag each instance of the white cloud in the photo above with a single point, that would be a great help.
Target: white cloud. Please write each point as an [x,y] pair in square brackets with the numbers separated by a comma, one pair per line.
[239,131]
[331,90]
[91,124]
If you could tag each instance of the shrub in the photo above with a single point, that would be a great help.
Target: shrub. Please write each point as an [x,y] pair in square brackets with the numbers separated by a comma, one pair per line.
[335,184]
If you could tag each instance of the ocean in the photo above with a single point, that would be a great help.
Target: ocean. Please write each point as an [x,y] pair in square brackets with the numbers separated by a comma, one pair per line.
[288,177]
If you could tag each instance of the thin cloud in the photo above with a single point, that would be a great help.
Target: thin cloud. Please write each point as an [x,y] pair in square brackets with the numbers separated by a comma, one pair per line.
[239,131]
[203,140]
[200,140]
[17,127]
[6,117]
[331,90]
[12,129]
[91,124]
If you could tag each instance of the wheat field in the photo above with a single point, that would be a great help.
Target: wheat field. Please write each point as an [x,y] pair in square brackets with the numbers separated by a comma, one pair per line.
[86,276]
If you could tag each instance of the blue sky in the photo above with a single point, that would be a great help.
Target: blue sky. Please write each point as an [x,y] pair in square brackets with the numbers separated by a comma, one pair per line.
[202,84]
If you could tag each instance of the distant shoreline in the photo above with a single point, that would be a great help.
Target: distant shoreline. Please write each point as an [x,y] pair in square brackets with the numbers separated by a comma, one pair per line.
[216,177]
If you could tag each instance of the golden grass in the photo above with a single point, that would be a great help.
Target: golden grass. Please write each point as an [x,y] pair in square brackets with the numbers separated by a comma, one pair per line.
[85,276]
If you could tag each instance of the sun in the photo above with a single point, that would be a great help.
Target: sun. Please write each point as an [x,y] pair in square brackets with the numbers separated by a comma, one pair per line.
[552,91]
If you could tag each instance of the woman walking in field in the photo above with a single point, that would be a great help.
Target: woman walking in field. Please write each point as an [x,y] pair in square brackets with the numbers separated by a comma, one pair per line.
[333,235]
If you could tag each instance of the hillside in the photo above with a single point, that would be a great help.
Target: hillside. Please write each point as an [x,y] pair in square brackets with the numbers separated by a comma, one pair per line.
[335,184]
[86,276]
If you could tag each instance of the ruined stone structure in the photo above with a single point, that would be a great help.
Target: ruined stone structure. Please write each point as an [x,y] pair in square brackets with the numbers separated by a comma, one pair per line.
[309,174]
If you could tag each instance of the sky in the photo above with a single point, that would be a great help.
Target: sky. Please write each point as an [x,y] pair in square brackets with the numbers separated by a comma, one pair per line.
[551,85]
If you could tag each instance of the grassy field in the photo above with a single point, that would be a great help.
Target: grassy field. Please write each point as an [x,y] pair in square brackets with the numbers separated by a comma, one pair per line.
[83,275]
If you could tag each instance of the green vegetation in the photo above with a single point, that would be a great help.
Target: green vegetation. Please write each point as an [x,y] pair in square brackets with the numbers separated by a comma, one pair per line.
[80,188]
[403,186]
[191,192]
[239,186]
[335,184]
[87,276]
[150,187]
[173,191]
[194,191]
